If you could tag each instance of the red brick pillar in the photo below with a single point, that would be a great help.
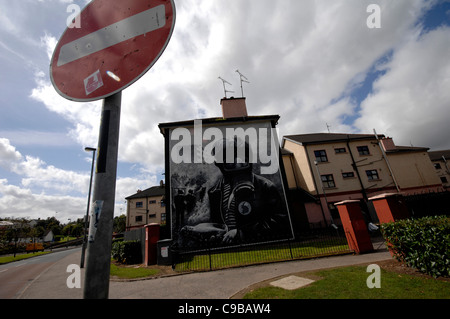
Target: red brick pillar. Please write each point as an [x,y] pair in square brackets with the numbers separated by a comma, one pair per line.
[151,243]
[355,228]
[390,207]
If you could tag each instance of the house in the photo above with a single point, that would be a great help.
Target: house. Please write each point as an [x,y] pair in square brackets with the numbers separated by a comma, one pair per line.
[225,179]
[48,236]
[146,207]
[440,160]
[334,167]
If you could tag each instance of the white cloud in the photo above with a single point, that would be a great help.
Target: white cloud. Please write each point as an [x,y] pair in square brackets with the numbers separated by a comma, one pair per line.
[45,189]
[411,100]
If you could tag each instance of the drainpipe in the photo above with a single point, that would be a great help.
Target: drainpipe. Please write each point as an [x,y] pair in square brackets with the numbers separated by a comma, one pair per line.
[387,162]
[363,191]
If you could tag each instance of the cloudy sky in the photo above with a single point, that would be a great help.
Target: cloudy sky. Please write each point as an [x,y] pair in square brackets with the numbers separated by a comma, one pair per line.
[312,62]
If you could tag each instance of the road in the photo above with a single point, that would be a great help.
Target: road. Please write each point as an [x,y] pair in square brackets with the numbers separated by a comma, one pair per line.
[15,277]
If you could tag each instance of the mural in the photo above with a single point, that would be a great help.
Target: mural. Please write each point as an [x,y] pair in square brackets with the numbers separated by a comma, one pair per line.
[222,192]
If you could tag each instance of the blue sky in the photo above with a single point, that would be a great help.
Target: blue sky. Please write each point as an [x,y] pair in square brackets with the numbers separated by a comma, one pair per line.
[311,62]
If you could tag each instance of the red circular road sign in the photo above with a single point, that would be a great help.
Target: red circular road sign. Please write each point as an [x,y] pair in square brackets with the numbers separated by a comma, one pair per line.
[114,43]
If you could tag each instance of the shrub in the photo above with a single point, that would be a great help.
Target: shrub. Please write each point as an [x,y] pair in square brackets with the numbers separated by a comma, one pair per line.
[127,252]
[421,243]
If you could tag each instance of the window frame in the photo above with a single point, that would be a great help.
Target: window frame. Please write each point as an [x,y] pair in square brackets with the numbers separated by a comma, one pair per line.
[328,183]
[319,158]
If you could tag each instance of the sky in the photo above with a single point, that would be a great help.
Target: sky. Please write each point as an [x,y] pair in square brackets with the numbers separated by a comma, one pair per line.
[318,64]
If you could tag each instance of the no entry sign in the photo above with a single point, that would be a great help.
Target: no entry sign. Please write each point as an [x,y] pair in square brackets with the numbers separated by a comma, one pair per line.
[118,41]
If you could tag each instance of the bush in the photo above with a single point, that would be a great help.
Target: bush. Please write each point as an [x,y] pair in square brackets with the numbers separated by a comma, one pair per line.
[421,243]
[127,252]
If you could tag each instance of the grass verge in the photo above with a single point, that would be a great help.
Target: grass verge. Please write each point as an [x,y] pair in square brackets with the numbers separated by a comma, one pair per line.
[130,272]
[9,259]
[350,283]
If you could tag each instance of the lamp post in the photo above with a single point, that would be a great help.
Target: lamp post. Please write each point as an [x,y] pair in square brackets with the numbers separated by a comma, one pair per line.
[325,196]
[83,249]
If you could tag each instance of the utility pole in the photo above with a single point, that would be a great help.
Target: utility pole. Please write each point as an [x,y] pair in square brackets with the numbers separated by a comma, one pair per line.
[86,217]
[98,257]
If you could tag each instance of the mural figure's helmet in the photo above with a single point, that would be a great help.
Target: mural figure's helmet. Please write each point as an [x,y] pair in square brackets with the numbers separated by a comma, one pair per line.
[232,155]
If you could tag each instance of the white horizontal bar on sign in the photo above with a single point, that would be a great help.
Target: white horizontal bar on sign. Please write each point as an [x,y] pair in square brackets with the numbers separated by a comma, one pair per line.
[139,24]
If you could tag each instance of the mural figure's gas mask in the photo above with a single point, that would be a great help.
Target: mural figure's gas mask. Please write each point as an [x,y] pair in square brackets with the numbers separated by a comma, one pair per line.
[238,191]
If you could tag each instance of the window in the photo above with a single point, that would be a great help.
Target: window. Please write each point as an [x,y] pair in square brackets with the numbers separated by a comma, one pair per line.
[151,215]
[372,175]
[437,166]
[444,179]
[321,156]
[138,219]
[363,150]
[340,150]
[139,204]
[348,174]
[163,217]
[152,201]
[328,181]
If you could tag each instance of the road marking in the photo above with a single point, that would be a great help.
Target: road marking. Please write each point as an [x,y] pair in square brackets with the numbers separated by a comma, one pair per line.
[139,24]
[3,270]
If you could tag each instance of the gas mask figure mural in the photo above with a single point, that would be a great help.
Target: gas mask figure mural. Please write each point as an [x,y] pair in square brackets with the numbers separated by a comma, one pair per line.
[226,202]
[248,205]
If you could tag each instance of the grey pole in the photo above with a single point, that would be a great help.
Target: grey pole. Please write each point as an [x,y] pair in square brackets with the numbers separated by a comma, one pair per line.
[98,256]
[86,217]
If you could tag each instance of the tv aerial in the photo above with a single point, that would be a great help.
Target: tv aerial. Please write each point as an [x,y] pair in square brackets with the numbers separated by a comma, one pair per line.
[243,79]
[224,87]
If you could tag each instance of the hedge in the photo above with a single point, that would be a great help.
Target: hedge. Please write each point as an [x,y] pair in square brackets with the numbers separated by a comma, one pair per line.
[127,252]
[422,243]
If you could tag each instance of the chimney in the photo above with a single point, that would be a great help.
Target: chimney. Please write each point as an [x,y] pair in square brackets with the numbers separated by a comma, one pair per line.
[233,107]
[161,184]
[388,143]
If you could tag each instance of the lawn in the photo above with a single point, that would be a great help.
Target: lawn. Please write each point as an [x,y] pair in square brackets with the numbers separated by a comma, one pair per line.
[350,283]
[11,258]
[130,272]
[266,254]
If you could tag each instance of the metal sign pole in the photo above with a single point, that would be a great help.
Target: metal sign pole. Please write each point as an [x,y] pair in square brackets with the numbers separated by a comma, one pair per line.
[98,257]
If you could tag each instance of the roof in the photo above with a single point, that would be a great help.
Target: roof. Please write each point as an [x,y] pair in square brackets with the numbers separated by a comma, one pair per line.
[149,192]
[437,155]
[218,121]
[405,149]
[320,138]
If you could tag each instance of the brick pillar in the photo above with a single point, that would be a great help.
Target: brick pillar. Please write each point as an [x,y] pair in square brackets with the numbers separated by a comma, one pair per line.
[390,207]
[355,228]
[151,243]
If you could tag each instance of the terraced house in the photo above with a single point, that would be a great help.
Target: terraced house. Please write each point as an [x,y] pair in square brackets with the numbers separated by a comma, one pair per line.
[334,167]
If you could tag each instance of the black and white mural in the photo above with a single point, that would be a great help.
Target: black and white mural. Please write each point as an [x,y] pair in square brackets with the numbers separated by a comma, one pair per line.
[226,186]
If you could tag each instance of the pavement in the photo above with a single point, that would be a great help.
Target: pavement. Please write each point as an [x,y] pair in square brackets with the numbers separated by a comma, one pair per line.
[219,284]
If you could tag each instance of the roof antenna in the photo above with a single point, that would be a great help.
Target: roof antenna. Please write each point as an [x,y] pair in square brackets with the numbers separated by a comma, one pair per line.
[224,88]
[328,127]
[243,79]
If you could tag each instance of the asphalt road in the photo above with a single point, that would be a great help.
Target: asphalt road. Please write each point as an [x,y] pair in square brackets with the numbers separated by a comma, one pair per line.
[15,277]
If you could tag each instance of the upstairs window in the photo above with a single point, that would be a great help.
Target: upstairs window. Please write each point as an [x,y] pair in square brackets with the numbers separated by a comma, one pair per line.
[139,204]
[363,150]
[340,150]
[327,181]
[372,175]
[348,174]
[321,156]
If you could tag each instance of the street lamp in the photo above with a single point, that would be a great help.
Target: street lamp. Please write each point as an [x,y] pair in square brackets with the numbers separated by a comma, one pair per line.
[83,249]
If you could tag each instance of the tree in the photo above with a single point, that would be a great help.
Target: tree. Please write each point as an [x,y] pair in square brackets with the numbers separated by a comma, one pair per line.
[120,223]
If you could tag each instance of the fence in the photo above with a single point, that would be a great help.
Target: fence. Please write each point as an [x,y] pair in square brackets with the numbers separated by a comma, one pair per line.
[314,244]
